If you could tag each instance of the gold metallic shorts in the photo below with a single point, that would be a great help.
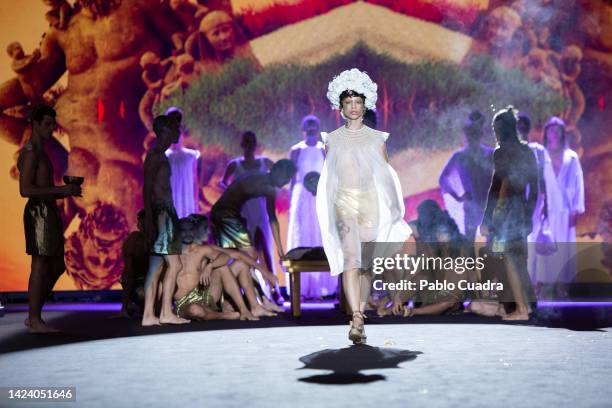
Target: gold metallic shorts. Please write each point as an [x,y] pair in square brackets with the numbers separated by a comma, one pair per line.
[199,296]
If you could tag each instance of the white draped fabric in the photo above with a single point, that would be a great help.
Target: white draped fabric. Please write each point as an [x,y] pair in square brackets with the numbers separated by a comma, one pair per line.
[303,229]
[565,196]
[184,170]
[359,197]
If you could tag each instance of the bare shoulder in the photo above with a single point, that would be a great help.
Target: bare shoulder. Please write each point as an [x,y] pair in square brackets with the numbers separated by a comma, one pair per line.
[205,250]
[27,157]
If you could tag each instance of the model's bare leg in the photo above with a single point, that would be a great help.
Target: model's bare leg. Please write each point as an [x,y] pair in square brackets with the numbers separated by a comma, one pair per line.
[266,303]
[243,273]
[352,282]
[167,315]
[365,284]
[522,309]
[38,285]
[56,269]
[156,267]
[351,285]
[203,313]
[230,285]
[198,312]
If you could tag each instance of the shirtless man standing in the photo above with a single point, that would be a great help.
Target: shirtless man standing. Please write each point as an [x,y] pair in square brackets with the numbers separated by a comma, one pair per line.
[161,225]
[44,233]
[199,287]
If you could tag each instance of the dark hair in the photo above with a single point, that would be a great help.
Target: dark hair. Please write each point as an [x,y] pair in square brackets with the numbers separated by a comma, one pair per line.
[370,119]
[249,134]
[39,112]
[349,93]
[191,225]
[310,119]
[175,112]
[504,123]
[141,214]
[163,122]
[554,121]
[432,220]
[284,166]
[523,123]
[474,124]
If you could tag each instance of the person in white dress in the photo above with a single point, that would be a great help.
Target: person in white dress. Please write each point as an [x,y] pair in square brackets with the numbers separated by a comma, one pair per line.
[183,172]
[565,203]
[536,260]
[359,197]
[303,229]
[183,179]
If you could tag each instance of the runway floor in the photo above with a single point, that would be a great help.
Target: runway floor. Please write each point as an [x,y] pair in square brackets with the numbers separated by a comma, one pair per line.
[560,359]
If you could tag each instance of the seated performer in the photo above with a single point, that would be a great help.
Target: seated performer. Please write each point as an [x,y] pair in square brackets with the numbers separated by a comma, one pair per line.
[230,228]
[439,237]
[135,253]
[206,275]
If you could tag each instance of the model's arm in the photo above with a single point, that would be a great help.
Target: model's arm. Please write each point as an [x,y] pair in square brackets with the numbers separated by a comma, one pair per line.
[270,206]
[241,256]
[229,170]
[577,203]
[27,187]
[215,257]
[383,152]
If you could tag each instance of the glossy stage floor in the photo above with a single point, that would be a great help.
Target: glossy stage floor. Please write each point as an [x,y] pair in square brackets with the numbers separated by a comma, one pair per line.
[561,358]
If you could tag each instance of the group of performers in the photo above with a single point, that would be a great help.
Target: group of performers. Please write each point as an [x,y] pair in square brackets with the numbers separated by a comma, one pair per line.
[506,195]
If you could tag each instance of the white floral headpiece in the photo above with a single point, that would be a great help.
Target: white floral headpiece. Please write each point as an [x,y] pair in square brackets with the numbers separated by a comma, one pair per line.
[352,80]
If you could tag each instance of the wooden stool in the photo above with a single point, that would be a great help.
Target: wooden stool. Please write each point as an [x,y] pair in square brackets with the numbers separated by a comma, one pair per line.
[294,268]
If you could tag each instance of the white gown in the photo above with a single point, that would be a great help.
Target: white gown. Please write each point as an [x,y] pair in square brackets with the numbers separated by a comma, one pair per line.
[183,173]
[303,229]
[565,195]
[359,198]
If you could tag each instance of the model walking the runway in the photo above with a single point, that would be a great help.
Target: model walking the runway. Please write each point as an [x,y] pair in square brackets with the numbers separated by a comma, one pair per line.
[359,197]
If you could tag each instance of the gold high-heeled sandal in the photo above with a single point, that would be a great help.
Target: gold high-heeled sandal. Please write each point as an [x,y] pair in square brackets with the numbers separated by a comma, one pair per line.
[357,332]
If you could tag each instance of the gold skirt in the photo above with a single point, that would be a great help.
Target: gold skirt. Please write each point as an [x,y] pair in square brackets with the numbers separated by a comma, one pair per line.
[359,205]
